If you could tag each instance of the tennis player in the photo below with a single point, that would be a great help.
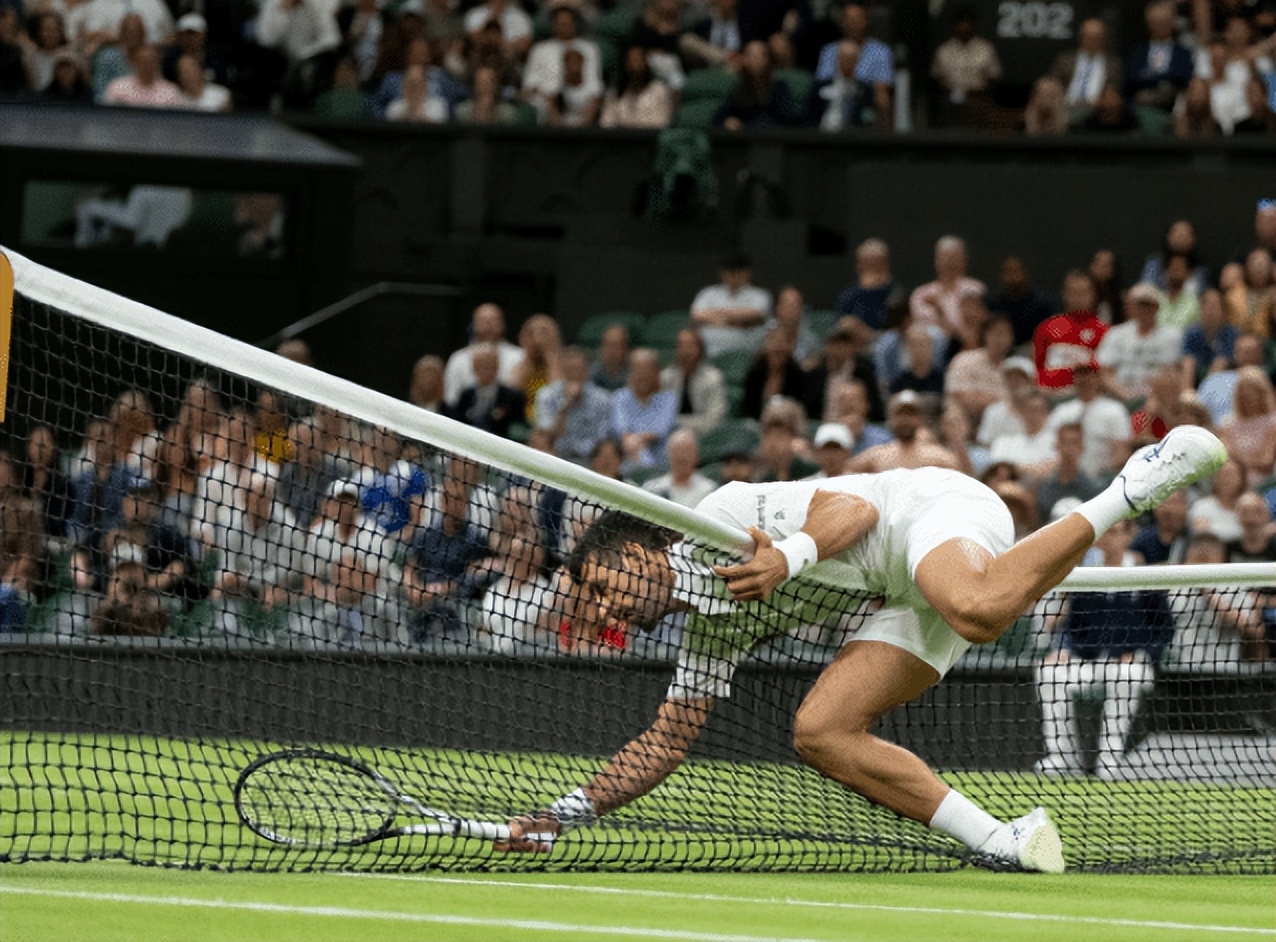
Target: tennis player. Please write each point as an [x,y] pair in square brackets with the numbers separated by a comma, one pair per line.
[935,544]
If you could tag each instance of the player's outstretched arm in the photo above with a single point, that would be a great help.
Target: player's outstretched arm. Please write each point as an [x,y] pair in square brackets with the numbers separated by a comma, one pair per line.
[636,769]
[834,523]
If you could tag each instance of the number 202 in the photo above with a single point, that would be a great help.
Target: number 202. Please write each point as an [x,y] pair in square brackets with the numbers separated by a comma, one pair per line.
[1034,20]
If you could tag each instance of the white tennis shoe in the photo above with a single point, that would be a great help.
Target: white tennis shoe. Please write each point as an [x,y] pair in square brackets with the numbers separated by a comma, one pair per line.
[1027,843]
[1184,456]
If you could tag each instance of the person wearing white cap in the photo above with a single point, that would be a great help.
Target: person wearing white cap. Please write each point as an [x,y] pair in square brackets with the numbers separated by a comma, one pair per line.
[192,23]
[348,569]
[1032,452]
[191,39]
[1002,417]
[1133,350]
[831,449]
[516,26]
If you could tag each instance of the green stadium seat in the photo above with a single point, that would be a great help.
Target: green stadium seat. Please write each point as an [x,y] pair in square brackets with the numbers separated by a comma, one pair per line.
[730,436]
[799,82]
[525,115]
[608,60]
[696,114]
[590,333]
[661,330]
[615,26]
[641,476]
[541,27]
[734,365]
[821,322]
[711,84]
[1153,122]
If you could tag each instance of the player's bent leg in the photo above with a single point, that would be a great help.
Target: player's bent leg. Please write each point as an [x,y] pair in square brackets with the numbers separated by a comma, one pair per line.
[981,594]
[866,681]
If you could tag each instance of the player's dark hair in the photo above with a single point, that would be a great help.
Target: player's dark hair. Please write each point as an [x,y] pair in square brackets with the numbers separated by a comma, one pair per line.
[607,537]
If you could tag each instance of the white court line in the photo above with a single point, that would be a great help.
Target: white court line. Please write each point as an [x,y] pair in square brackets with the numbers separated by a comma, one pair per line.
[526,925]
[818,904]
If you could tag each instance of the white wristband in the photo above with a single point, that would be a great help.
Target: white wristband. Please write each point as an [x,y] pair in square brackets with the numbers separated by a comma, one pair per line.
[573,811]
[800,551]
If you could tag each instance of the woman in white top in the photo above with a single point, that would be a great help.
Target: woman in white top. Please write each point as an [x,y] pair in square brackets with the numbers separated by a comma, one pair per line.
[200,94]
[40,51]
[1228,66]
[1216,512]
[415,102]
[640,99]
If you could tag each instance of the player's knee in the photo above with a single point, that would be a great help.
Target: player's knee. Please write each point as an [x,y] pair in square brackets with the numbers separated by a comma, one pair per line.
[979,623]
[978,615]
[818,738]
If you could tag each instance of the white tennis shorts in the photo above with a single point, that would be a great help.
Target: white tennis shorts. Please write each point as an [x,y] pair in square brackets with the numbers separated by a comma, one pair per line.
[964,509]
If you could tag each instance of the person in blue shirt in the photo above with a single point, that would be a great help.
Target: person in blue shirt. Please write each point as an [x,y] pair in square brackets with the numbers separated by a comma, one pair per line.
[642,415]
[1158,69]
[388,484]
[1165,539]
[1209,346]
[875,69]
[874,289]
[573,411]
[445,566]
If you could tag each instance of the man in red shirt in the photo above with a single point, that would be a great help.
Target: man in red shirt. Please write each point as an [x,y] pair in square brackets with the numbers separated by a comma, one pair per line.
[1061,342]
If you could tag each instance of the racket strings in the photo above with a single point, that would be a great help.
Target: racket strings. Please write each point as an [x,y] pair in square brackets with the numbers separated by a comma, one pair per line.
[312,800]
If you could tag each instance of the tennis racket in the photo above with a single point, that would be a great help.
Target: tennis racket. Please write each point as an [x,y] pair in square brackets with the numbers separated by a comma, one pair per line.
[311,798]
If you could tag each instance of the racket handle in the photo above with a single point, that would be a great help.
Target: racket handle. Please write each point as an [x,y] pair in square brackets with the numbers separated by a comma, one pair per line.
[483,830]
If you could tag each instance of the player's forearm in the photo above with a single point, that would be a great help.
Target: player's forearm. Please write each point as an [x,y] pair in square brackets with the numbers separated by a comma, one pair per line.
[651,758]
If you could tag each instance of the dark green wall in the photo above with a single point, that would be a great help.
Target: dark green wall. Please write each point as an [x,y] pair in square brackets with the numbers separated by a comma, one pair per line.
[546,220]
[556,209]
[974,720]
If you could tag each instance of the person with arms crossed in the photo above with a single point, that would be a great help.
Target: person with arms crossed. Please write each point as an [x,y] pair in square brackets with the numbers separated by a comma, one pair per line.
[934,544]
[731,315]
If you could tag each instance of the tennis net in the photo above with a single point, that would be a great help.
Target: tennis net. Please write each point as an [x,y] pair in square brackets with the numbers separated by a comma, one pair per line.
[211,553]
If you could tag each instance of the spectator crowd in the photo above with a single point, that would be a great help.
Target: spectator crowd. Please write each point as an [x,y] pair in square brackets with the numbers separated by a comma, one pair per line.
[1203,68]
[261,517]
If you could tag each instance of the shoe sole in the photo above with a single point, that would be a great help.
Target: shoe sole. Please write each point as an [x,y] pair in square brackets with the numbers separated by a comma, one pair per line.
[1043,850]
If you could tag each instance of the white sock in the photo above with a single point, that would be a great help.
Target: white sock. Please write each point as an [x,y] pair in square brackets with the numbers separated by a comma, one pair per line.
[959,817]
[1106,508]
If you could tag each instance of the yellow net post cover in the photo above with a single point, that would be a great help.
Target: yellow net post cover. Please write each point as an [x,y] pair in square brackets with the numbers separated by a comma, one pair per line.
[6,321]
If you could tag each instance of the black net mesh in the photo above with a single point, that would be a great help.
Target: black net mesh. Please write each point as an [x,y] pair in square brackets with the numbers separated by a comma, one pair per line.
[199,570]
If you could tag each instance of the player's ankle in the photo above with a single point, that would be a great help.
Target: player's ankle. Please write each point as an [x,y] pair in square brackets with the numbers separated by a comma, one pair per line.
[1106,508]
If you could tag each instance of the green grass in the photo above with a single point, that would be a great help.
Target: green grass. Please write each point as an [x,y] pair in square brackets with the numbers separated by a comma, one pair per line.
[115,901]
[148,800]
